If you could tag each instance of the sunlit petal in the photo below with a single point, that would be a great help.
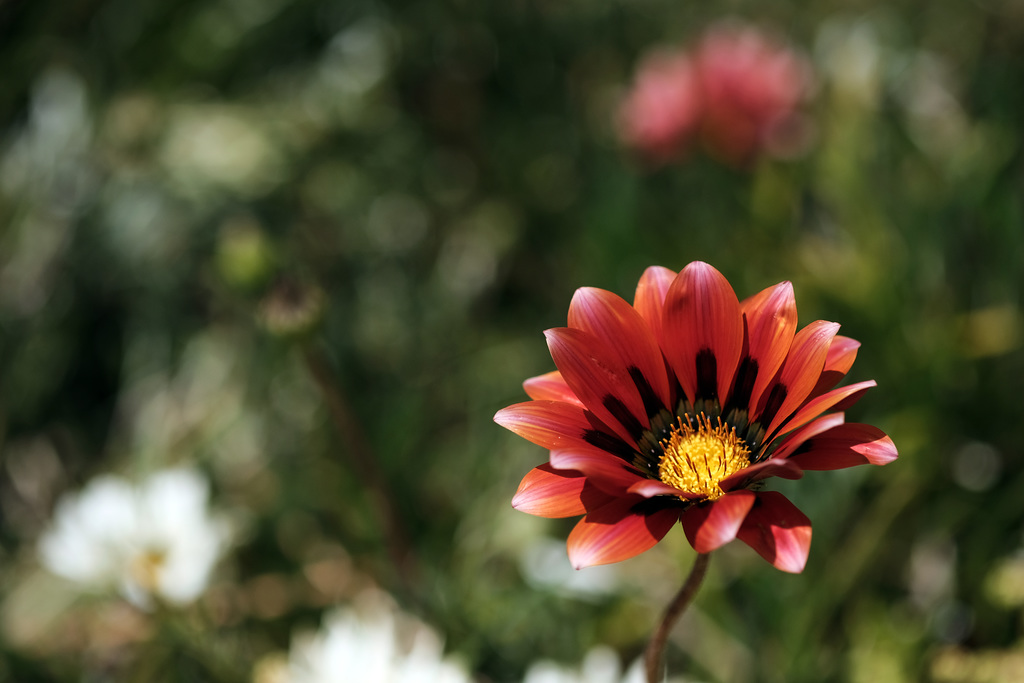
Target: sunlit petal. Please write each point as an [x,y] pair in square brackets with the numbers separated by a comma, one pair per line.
[844,446]
[838,362]
[778,531]
[771,324]
[547,492]
[837,399]
[550,386]
[605,470]
[600,381]
[551,424]
[702,321]
[617,532]
[649,300]
[803,367]
[795,439]
[712,525]
[610,318]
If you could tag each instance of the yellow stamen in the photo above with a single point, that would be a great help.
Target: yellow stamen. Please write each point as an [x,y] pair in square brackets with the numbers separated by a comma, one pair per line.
[145,568]
[696,460]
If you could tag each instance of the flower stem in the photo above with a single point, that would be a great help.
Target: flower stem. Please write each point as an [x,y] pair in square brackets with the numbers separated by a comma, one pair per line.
[656,648]
[220,658]
[361,459]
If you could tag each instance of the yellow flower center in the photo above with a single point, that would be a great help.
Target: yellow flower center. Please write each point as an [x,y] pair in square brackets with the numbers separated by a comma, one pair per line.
[696,460]
[145,568]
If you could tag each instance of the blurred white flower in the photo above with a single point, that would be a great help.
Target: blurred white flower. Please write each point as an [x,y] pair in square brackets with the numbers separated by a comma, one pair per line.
[601,665]
[371,645]
[853,58]
[155,540]
[545,565]
[210,146]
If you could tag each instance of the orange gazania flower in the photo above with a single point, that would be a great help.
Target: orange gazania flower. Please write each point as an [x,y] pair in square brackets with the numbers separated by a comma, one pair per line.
[678,407]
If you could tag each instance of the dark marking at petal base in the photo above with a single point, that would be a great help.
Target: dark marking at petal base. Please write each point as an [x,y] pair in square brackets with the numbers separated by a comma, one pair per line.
[647,506]
[772,405]
[621,413]
[612,444]
[707,375]
[805,447]
[652,404]
[675,388]
[746,375]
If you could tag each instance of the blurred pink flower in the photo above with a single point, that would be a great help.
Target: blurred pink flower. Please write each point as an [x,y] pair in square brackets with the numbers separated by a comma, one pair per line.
[751,89]
[739,93]
[661,112]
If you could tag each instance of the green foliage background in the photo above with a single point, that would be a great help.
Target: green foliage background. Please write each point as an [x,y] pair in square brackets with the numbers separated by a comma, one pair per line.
[447,173]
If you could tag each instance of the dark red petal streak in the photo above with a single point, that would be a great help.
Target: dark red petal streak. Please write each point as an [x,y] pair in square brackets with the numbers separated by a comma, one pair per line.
[711,525]
[551,424]
[546,492]
[612,320]
[550,387]
[594,375]
[778,531]
[846,446]
[771,324]
[702,312]
[803,367]
[649,300]
[616,532]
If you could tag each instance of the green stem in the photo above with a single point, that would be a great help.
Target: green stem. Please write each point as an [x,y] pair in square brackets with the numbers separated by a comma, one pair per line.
[361,459]
[218,657]
[655,653]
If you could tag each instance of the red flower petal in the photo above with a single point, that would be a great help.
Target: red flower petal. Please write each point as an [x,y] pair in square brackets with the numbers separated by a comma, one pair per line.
[547,492]
[612,320]
[803,367]
[612,474]
[837,399]
[702,313]
[778,531]
[838,362]
[795,439]
[617,532]
[771,324]
[599,380]
[550,387]
[649,300]
[648,488]
[606,471]
[841,354]
[711,525]
[551,424]
[773,467]
[847,445]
